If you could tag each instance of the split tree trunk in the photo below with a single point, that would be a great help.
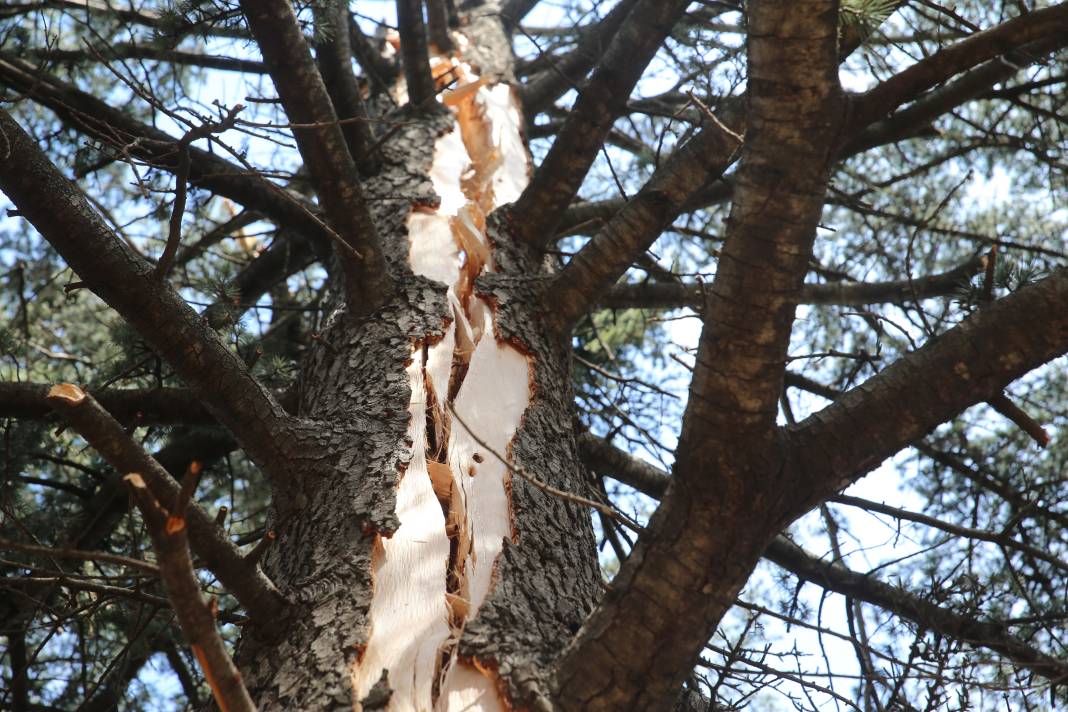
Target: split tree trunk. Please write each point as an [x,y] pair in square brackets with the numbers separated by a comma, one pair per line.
[429,573]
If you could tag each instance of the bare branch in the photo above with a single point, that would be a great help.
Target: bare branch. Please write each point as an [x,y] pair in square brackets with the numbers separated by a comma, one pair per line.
[112,127]
[969,85]
[257,594]
[986,634]
[606,459]
[143,406]
[274,25]
[634,229]
[1017,415]
[168,533]
[125,282]
[968,364]
[415,52]
[181,177]
[563,74]
[79,555]
[129,50]
[668,295]
[1001,539]
[380,70]
[333,52]
[603,98]
[941,66]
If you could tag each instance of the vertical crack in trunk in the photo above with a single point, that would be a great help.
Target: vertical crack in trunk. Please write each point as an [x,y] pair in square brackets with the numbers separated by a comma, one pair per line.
[453,500]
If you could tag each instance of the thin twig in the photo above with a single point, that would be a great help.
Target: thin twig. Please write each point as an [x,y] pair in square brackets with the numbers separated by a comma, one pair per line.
[181,185]
[614,514]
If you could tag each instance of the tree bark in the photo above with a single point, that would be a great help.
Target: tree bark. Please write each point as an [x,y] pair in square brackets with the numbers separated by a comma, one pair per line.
[420,526]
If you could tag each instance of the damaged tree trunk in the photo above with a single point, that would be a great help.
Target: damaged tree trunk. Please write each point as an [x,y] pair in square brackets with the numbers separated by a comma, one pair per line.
[427,571]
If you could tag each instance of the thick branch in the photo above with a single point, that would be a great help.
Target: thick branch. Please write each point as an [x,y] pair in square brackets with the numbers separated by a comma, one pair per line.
[322,146]
[668,295]
[943,65]
[724,505]
[612,250]
[795,115]
[438,21]
[141,406]
[379,69]
[967,365]
[606,459]
[288,255]
[969,85]
[125,282]
[115,129]
[566,72]
[926,615]
[106,435]
[333,53]
[603,99]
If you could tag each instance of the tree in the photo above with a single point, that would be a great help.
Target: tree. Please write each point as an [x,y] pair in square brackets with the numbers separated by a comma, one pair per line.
[413,442]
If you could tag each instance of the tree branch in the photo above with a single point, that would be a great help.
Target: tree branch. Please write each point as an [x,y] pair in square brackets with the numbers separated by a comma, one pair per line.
[564,73]
[1002,539]
[112,127]
[970,85]
[514,11]
[142,406]
[605,458]
[322,146]
[941,66]
[987,634]
[285,257]
[167,530]
[669,295]
[214,373]
[724,506]
[968,364]
[415,54]
[333,53]
[603,99]
[245,581]
[438,21]
[380,70]
[130,50]
[634,229]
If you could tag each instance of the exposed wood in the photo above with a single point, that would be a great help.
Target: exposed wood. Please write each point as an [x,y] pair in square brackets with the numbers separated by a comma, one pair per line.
[409,613]
[432,575]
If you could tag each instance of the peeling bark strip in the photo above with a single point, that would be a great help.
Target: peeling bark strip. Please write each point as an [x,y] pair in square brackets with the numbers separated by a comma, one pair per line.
[453,501]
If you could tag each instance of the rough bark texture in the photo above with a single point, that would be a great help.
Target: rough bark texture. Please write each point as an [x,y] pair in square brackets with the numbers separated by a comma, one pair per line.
[685,572]
[355,384]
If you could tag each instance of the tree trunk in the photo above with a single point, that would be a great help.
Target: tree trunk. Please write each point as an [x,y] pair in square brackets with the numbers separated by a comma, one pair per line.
[429,570]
